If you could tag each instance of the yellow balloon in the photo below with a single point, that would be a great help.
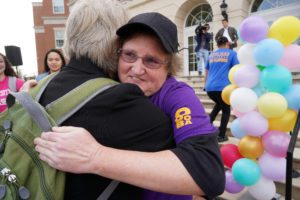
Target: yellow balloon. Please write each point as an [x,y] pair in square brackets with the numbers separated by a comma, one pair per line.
[286,29]
[272,105]
[231,71]
[285,122]
[226,92]
[251,147]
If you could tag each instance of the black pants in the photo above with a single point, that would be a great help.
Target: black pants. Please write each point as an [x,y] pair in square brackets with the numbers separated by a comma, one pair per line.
[220,105]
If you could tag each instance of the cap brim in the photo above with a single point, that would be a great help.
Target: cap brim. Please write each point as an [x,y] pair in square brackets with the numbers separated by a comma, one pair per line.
[125,30]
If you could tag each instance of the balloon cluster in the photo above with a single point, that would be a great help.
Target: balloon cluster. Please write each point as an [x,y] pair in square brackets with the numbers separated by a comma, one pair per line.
[265,102]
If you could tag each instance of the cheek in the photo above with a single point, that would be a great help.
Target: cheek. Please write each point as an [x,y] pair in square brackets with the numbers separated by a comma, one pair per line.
[158,80]
[123,69]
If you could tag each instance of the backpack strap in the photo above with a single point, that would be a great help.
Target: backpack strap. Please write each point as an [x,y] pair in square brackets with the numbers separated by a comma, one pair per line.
[65,106]
[12,83]
[37,91]
[33,109]
[108,190]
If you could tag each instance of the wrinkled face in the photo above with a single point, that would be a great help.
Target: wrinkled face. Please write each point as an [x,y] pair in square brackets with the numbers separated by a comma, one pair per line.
[149,52]
[54,62]
[2,65]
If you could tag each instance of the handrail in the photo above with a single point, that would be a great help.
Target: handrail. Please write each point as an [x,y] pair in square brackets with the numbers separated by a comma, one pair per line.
[289,159]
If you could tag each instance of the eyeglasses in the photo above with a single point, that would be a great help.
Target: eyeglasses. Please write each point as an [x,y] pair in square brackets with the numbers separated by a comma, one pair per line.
[149,61]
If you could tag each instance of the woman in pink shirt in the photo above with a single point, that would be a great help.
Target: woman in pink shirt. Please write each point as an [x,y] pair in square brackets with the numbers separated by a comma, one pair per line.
[6,73]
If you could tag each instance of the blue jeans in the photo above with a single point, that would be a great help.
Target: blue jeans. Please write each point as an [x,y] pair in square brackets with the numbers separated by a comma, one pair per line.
[202,55]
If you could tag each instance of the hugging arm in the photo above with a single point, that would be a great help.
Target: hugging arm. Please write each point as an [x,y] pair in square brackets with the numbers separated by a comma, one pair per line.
[74,150]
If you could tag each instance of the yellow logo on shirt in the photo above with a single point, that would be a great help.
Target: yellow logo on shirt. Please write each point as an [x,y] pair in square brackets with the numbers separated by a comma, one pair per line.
[183,117]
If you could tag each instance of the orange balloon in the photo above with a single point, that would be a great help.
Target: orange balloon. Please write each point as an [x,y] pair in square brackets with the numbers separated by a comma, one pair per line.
[285,122]
[226,92]
[251,147]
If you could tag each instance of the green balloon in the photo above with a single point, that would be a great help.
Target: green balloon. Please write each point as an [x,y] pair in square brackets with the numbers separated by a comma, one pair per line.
[260,67]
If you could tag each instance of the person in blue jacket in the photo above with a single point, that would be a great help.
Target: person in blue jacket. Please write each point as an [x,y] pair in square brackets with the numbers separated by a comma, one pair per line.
[202,48]
[216,79]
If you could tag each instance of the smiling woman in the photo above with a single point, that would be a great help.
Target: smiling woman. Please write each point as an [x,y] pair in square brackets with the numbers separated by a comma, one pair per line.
[17,29]
[8,82]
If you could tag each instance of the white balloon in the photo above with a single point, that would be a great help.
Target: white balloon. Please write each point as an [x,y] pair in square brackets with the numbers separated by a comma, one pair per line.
[245,54]
[263,189]
[243,99]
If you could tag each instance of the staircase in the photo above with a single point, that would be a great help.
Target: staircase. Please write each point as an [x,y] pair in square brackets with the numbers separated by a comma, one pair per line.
[197,82]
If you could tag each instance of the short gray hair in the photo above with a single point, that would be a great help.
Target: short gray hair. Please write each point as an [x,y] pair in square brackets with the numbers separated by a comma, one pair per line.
[91,32]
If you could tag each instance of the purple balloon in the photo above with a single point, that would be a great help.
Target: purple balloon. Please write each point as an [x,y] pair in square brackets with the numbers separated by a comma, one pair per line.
[276,143]
[231,185]
[254,29]
[246,76]
[253,123]
[272,167]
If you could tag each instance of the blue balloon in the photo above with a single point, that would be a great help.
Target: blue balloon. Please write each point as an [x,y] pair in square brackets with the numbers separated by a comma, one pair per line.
[276,78]
[236,129]
[246,172]
[268,52]
[259,90]
[292,96]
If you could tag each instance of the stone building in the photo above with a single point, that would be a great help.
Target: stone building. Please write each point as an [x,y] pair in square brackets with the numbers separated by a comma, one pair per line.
[187,14]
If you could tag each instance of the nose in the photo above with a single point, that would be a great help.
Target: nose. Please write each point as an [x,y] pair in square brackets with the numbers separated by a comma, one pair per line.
[138,67]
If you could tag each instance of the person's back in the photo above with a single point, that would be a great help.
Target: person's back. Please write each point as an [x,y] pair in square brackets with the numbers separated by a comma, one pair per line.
[219,63]
[216,79]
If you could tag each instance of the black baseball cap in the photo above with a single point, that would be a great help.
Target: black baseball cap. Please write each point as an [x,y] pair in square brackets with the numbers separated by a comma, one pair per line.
[164,28]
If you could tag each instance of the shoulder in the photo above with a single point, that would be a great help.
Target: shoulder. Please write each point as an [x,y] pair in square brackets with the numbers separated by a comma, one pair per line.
[39,77]
[231,28]
[174,87]
[127,90]
[178,93]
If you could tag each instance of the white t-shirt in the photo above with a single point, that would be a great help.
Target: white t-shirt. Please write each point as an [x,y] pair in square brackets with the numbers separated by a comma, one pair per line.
[225,34]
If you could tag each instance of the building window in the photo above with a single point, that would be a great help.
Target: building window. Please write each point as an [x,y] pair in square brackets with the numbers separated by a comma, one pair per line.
[59,38]
[201,14]
[260,5]
[58,6]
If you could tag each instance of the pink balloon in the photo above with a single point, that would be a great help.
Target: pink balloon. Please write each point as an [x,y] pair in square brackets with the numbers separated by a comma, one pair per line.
[255,124]
[276,143]
[291,56]
[237,113]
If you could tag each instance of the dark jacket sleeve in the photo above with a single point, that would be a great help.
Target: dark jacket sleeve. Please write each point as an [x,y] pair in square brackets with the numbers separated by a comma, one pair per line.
[202,158]
[219,34]
[234,35]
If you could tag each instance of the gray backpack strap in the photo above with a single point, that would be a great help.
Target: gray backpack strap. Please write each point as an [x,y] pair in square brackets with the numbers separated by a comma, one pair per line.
[31,107]
[108,190]
[12,83]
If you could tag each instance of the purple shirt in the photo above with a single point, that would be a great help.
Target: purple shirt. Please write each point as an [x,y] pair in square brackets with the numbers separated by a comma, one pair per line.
[181,104]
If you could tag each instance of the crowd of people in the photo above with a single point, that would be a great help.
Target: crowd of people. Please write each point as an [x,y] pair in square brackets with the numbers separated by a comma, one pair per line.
[150,134]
